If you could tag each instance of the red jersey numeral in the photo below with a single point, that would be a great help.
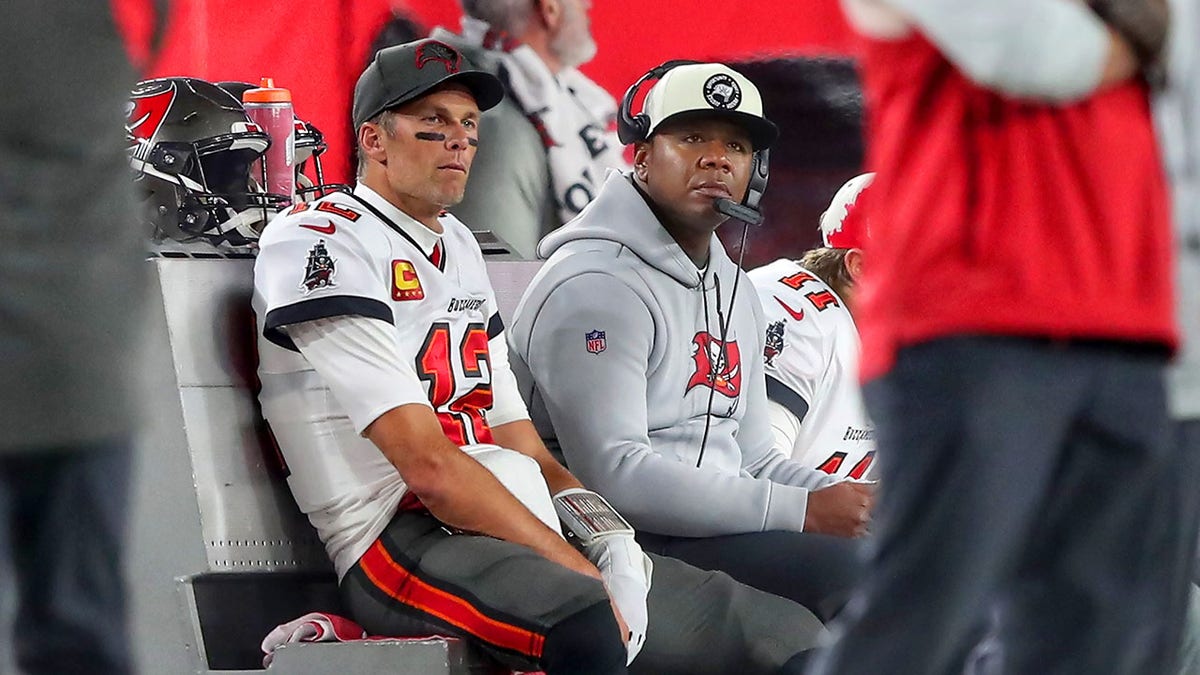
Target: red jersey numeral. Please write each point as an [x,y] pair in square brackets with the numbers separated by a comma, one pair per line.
[831,465]
[823,300]
[835,461]
[860,469]
[797,280]
[462,419]
[348,214]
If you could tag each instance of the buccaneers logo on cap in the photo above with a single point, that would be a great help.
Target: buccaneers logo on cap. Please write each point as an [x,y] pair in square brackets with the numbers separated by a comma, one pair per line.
[147,108]
[718,365]
[439,52]
[722,92]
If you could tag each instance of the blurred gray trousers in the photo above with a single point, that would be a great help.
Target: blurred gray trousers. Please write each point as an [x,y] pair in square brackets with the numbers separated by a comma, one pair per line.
[70,265]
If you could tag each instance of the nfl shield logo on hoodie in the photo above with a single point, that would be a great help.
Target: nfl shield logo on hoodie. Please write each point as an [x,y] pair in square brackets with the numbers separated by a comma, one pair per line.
[595,341]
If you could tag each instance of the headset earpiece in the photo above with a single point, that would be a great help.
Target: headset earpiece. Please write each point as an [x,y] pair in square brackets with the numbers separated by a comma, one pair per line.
[760,171]
[633,128]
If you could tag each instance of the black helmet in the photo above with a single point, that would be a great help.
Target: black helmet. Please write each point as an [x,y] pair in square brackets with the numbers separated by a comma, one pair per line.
[191,146]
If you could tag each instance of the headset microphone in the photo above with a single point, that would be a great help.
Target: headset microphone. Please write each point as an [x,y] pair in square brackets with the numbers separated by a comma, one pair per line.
[736,211]
[632,128]
[749,210]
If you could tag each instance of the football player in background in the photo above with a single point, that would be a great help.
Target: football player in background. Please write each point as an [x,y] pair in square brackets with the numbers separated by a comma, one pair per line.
[71,287]
[1016,318]
[551,141]
[1177,112]
[812,346]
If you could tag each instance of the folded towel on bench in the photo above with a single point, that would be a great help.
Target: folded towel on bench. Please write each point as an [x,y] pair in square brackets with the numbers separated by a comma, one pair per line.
[312,627]
[323,627]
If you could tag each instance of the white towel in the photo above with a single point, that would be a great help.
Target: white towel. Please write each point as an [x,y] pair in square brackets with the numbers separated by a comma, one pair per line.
[322,627]
[312,627]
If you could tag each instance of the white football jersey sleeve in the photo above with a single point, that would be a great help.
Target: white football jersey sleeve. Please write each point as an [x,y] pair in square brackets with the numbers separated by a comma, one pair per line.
[811,361]
[354,255]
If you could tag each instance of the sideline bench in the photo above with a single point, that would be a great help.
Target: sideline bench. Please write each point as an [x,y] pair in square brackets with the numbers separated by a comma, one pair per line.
[220,553]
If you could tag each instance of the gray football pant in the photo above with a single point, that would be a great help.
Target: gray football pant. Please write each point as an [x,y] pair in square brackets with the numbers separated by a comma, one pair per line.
[705,622]
[700,622]
[815,570]
[1029,478]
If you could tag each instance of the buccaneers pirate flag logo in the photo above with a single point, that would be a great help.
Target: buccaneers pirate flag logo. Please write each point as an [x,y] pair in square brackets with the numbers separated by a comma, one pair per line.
[774,342]
[319,269]
[718,365]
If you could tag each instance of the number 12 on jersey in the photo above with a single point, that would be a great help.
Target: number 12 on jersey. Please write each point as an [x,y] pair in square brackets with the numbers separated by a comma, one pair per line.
[462,415]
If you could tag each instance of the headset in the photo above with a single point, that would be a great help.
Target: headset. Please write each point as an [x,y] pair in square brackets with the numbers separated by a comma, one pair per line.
[633,128]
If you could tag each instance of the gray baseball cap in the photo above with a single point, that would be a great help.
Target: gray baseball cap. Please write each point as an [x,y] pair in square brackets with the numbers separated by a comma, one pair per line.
[406,72]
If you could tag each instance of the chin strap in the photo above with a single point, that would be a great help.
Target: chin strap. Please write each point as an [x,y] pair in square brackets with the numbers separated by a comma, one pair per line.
[247,225]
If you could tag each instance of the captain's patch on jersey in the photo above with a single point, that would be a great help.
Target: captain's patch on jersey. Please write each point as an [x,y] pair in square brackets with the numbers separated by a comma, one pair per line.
[774,342]
[319,270]
[406,285]
[596,342]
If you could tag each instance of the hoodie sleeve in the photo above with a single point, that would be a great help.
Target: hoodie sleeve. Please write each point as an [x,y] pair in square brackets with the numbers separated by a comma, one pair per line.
[596,398]
[761,458]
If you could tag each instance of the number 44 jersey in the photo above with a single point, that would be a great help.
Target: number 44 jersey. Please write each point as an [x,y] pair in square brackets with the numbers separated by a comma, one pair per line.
[354,255]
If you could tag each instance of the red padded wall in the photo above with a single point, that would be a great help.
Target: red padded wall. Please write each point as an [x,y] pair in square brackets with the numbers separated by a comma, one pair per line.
[317,49]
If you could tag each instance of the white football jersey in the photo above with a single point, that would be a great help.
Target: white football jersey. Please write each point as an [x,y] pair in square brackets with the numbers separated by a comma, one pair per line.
[355,255]
[811,353]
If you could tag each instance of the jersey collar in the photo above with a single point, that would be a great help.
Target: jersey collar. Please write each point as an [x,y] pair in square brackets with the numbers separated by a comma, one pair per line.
[425,238]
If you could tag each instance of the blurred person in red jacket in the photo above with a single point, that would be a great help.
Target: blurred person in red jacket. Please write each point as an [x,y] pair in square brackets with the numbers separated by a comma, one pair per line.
[1016,321]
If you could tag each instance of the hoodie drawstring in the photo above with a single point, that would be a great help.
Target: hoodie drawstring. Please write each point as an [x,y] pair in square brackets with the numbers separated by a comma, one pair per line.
[712,389]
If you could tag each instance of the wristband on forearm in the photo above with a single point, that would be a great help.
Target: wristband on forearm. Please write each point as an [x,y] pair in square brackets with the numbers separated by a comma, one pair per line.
[589,517]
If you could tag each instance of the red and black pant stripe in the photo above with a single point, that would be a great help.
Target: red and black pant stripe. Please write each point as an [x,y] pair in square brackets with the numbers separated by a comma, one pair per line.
[529,613]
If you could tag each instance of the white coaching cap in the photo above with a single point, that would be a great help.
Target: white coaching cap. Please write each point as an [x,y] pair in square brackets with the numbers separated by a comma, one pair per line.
[710,88]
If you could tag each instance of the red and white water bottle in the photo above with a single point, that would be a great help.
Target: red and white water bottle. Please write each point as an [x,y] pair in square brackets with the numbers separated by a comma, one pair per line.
[270,107]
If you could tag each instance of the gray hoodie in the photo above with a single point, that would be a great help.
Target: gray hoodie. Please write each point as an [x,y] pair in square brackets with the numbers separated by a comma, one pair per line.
[615,344]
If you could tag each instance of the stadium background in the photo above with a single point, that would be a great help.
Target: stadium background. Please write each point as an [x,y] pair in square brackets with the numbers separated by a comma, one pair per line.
[798,53]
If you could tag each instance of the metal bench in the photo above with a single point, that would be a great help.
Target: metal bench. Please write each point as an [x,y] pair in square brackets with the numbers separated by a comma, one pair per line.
[220,553]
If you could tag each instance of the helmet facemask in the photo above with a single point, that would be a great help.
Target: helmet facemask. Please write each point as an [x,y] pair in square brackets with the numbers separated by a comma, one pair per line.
[310,145]
[194,165]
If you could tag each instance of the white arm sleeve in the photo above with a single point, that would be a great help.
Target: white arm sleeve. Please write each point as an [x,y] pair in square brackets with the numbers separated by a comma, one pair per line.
[360,362]
[507,404]
[784,425]
[1040,49]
